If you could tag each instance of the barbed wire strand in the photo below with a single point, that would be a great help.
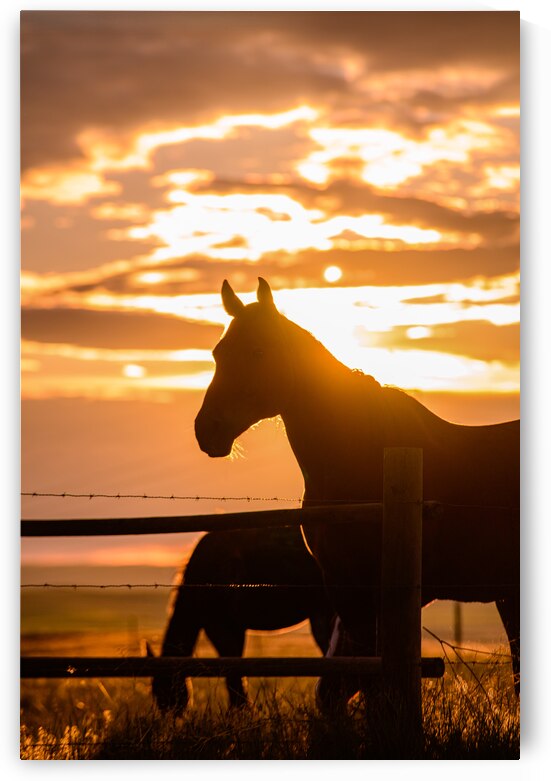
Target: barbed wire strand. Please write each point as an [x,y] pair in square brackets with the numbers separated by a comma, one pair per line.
[353,586]
[172,497]
[198,498]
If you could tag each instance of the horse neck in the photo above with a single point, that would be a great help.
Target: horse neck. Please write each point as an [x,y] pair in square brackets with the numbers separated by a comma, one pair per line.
[319,383]
[331,409]
[315,373]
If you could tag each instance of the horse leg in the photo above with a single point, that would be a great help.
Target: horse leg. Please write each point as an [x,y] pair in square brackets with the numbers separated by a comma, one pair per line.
[230,641]
[509,611]
[333,692]
[321,626]
[179,640]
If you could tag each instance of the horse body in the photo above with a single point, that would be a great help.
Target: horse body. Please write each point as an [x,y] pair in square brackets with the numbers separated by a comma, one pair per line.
[269,557]
[338,423]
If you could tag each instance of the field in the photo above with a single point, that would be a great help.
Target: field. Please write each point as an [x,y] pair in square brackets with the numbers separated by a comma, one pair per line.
[472,713]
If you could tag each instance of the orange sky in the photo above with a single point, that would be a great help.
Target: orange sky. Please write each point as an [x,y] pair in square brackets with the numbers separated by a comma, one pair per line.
[366,164]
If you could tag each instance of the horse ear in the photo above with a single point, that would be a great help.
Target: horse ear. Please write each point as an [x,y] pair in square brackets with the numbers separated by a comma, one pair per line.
[146,649]
[232,304]
[264,294]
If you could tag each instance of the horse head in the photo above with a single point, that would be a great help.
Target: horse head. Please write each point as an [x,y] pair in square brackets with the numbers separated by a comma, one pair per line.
[253,372]
[171,691]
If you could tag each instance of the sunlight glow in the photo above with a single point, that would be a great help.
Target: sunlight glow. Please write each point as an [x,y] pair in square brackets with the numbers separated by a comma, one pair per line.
[508,111]
[78,353]
[379,307]
[134,371]
[502,177]
[247,226]
[340,317]
[390,158]
[154,555]
[62,185]
[150,277]
[300,114]
[131,212]
[418,332]
[191,176]
[194,381]
[332,274]
[107,153]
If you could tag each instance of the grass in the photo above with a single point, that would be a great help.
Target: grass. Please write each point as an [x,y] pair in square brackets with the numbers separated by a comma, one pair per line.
[472,713]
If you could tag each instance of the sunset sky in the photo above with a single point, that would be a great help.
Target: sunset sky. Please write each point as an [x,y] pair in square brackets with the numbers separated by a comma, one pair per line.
[365,164]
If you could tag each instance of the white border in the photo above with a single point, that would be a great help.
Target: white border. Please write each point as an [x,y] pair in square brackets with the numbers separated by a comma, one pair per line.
[536,385]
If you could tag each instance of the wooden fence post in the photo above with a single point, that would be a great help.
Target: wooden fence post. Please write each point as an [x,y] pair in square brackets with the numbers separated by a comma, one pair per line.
[401,587]
[457,623]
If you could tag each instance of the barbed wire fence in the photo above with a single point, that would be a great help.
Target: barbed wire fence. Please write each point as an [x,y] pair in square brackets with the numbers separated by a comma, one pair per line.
[457,657]
[90,495]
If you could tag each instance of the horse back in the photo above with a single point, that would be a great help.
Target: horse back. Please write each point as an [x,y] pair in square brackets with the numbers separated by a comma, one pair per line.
[476,465]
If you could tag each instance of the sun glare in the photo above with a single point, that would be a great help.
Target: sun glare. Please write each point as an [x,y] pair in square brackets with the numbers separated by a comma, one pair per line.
[418,332]
[150,277]
[134,371]
[354,311]
[332,274]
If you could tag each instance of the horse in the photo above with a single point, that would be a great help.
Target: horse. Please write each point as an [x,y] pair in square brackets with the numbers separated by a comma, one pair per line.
[338,422]
[288,589]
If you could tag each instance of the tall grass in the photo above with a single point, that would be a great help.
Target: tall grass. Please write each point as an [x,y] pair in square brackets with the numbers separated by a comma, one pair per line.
[472,713]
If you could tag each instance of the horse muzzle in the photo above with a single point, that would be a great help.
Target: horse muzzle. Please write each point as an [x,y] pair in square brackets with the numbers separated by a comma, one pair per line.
[213,437]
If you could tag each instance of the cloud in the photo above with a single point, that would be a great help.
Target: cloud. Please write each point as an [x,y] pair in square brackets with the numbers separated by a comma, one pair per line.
[406,267]
[133,69]
[119,71]
[133,73]
[257,151]
[478,339]
[63,238]
[68,238]
[360,266]
[347,197]
[116,330]
[392,40]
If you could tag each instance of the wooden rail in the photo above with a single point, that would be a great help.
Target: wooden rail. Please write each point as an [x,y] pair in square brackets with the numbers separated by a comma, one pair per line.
[257,519]
[146,666]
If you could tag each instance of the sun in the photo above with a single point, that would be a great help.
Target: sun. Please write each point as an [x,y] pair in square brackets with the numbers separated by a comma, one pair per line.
[134,371]
[332,274]
[418,332]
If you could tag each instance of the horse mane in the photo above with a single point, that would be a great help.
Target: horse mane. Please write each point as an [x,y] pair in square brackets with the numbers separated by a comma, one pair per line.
[367,382]
[390,401]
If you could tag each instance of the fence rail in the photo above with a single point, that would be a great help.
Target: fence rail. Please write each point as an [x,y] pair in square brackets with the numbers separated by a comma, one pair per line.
[402,514]
[256,519]
[470,517]
[145,666]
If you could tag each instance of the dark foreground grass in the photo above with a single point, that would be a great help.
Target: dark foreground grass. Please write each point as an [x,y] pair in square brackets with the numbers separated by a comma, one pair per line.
[466,716]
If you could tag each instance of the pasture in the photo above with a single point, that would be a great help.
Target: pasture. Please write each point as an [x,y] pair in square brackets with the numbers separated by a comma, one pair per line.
[471,713]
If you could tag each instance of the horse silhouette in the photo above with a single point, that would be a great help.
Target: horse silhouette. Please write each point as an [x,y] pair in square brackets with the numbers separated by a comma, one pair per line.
[338,422]
[274,557]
